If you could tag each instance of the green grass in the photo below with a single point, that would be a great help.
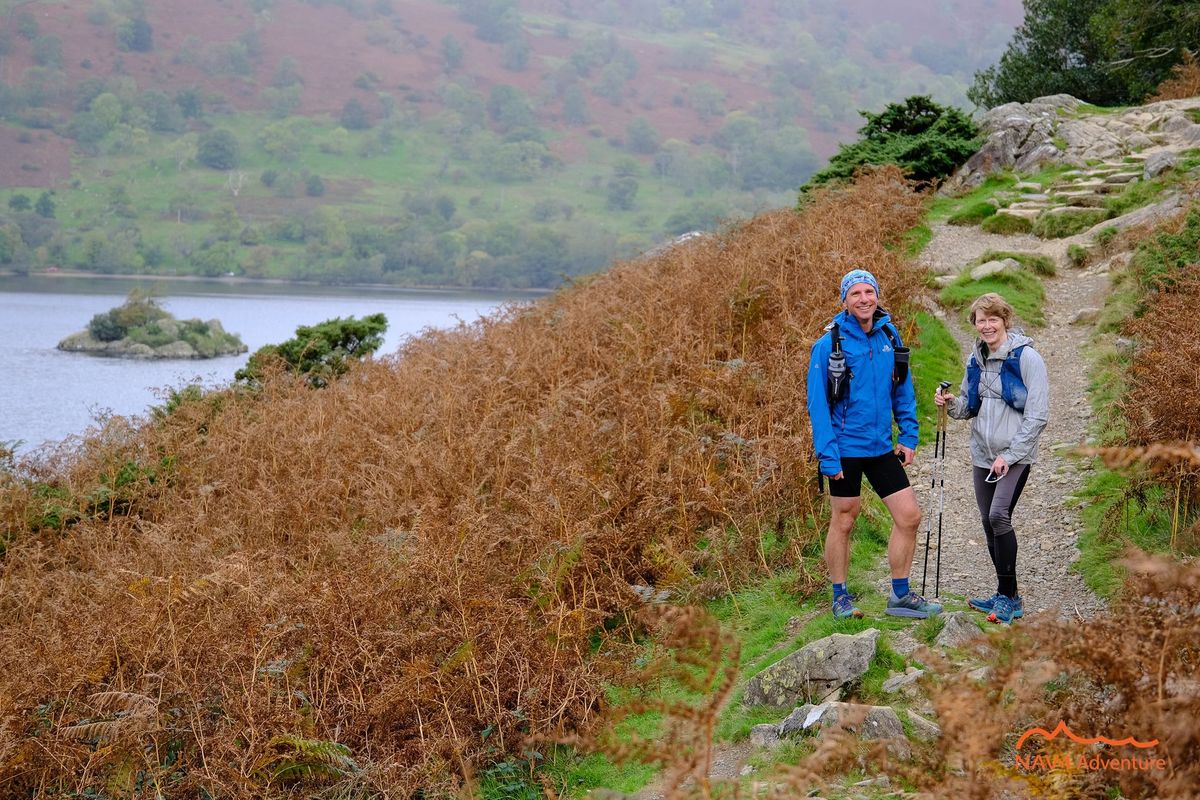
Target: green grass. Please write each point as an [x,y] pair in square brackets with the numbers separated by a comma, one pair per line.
[916,240]
[943,208]
[935,358]
[972,214]
[1022,290]
[1135,195]
[1006,224]
[1036,263]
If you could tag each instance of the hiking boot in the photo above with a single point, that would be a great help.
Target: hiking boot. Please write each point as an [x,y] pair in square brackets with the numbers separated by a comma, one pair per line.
[1005,610]
[911,605]
[986,604]
[844,608]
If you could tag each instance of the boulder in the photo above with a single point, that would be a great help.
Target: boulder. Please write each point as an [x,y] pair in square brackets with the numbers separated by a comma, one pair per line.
[898,682]
[994,267]
[1085,316]
[958,630]
[923,729]
[765,736]
[814,670]
[1158,163]
[869,722]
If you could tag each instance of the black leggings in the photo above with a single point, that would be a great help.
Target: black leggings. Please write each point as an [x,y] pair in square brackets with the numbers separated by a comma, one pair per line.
[996,503]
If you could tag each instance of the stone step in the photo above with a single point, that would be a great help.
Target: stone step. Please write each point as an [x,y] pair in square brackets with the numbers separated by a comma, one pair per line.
[1036,204]
[1123,177]
[1023,213]
[1027,186]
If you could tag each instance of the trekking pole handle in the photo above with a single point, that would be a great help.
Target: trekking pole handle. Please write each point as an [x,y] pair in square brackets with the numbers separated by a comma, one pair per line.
[943,386]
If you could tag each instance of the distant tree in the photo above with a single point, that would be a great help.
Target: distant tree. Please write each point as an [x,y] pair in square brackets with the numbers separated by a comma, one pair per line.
[927,139]
[20,202]
[515,54]
[287,73]
[218,149]
[27,25]
[640,137]
[314,186]
[319,353]
[135,35]
[354,115]
[575,110]
[700,215]
[509,107]
[452,52]
[706,99]
[284,139]
[494,20]
[190,102]
[621,193]
[283,102]
[10,243]
[45,206]
[47,51]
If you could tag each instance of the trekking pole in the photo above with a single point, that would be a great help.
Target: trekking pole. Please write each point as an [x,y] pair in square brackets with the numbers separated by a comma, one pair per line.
[934,472]
[942,429]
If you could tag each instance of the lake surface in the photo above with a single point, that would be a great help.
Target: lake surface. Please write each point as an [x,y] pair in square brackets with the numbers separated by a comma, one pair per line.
[48,395]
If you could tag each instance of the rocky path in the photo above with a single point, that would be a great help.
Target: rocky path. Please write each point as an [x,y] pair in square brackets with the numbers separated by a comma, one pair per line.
[1047,523]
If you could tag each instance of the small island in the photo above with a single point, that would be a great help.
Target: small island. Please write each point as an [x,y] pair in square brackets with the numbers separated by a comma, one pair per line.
[140,328]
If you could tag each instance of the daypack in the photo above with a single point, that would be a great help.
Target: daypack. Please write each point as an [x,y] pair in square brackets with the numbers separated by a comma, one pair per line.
[1012,387]
[839,377]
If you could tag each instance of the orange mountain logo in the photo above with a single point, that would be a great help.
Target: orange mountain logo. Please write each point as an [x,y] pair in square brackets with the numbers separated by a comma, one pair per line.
[1074,737]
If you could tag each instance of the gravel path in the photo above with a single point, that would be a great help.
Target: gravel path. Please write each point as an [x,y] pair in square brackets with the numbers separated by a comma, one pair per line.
[1047,524]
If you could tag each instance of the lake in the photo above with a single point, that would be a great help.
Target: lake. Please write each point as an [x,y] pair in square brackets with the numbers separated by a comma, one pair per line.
[47,395]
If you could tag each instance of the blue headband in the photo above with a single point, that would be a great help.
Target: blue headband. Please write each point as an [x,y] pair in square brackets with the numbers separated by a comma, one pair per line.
[858,276]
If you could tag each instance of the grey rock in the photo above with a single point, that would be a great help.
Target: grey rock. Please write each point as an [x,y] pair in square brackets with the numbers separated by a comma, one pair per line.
[1038,157]
[898,682]
[1084,316]
[1138,141]
[814,670]
[178,349]
[1159,163]
[981,674]
[869,722]
[1176,123]
[958,629]
[924,729]
[994,268]
[765,736]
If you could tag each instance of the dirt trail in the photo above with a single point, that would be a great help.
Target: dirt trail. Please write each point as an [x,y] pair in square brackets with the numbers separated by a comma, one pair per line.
[1046,521]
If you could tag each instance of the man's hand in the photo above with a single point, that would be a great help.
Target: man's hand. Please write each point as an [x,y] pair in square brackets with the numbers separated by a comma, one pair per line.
[839,477]
[905,454]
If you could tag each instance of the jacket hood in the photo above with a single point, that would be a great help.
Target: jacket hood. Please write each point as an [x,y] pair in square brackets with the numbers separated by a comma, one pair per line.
[1016,338]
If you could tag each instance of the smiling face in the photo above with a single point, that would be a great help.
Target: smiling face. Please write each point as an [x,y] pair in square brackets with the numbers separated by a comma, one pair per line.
[861,302]
[991,329]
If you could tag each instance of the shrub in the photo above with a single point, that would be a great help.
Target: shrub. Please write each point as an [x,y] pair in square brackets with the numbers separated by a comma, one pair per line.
[1078,255]
[1068,223]
[927,140]
[1007,224]
[320,352]
[1184,81]
[105,328]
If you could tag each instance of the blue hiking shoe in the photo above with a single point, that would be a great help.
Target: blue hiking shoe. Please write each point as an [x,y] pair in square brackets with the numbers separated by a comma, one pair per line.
[911,605]
[844,608]
[986,604]
[1005,610]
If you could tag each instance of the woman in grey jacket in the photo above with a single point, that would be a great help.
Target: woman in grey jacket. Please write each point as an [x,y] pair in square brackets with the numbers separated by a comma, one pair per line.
[1006,395]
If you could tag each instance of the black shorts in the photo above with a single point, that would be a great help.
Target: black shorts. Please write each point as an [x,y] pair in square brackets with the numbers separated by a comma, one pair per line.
[885,473]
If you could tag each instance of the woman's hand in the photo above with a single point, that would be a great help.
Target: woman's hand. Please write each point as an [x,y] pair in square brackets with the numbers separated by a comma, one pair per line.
[940,398]
[999,467]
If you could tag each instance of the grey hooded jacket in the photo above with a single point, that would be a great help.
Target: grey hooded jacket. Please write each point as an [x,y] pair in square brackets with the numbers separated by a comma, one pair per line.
[998,429]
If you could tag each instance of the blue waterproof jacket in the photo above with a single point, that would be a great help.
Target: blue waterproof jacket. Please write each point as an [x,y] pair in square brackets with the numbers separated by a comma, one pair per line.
[860,425]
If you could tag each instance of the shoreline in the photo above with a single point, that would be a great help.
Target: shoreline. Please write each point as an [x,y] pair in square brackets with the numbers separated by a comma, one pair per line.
[238,280]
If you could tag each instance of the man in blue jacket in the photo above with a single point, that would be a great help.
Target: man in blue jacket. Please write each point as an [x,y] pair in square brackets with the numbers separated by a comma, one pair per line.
[855,390]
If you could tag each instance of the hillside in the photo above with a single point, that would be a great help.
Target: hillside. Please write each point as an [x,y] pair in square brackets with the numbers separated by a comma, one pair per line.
[467,143]
[578,542]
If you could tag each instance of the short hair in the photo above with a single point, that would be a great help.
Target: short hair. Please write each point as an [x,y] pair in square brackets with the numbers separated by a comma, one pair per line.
[992,305]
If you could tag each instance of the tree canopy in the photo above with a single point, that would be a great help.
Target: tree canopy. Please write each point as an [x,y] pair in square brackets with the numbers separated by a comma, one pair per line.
[926,139]
[320,352]
[1107,52]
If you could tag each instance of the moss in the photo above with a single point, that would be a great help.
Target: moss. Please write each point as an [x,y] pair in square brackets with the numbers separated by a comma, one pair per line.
[1006,224]
[1068,223]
